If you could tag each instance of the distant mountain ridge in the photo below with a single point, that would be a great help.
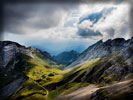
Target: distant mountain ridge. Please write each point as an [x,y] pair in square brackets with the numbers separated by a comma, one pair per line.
[67,57]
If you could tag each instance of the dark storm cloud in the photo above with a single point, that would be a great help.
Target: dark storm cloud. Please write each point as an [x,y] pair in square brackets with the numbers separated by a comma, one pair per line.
[64,1]
[22,17]
[45,1]
[87,33]
[18,13]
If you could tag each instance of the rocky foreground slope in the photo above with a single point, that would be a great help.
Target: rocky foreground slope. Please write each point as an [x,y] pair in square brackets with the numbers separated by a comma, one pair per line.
[119,91]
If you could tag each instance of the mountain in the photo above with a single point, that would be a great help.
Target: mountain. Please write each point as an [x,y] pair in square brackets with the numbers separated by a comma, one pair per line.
[108,64]
[104,71]
[101,49]
[67,57]
[19,64]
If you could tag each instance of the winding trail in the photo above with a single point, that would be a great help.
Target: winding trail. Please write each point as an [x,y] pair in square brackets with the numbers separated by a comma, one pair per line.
[47,92]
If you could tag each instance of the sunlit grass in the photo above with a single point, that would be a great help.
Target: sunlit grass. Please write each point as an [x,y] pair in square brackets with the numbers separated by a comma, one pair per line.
[28,89]
[72,85]
[36,68]
[40,69]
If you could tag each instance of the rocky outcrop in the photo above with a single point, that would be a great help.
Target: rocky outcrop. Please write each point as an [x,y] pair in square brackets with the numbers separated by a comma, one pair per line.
[9,50]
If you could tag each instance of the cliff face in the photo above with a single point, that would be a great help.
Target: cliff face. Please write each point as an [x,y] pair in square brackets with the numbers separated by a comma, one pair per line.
[8,50]
[12,65]
[101,49]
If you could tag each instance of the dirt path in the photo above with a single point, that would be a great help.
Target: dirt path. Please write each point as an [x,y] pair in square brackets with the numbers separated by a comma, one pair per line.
[80,94]
[47,92]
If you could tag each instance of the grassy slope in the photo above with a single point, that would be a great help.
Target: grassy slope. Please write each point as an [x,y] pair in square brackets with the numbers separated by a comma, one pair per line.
[77,77]
[74,75]
[36,68]
[63,82]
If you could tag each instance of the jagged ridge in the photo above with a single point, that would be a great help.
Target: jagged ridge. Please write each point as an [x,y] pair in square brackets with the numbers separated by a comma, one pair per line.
[101,49]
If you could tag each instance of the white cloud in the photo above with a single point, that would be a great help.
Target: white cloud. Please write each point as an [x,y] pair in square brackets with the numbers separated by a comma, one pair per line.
[86,24]
[49,23]
[116,23]
[86,9]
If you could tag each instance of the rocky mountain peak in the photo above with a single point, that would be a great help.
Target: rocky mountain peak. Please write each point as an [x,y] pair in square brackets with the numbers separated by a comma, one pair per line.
[9,50]
[100,49]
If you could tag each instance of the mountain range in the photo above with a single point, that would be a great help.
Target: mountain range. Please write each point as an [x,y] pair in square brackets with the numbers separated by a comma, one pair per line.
[67,57]
[104,71]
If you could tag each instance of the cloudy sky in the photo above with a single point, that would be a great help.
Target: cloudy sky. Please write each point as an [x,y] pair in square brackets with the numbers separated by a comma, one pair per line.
[57,27]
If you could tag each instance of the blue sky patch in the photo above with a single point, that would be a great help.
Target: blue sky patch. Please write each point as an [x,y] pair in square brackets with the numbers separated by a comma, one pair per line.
[95,17]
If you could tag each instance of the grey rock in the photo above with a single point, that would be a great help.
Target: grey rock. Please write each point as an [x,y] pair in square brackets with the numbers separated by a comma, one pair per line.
[116,70]
[51,74]
[43,76]
[8,50]
[39,80]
